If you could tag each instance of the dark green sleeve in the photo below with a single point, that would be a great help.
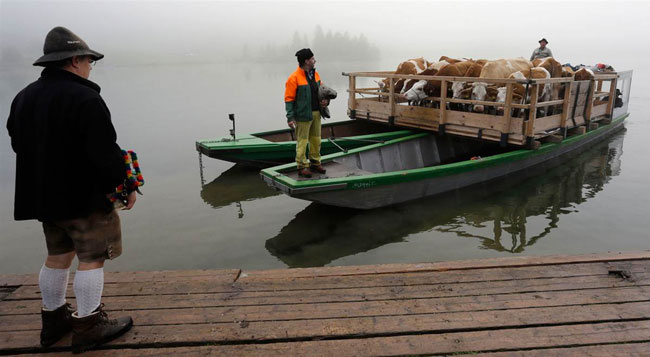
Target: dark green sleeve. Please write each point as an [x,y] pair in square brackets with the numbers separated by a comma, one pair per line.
[289,107]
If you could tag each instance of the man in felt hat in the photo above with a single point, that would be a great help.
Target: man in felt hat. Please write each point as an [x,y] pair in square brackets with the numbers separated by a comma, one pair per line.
[303,107]
[67,162]
[542,51]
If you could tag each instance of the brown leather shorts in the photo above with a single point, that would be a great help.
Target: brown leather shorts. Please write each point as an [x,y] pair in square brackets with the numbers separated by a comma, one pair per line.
[94,238]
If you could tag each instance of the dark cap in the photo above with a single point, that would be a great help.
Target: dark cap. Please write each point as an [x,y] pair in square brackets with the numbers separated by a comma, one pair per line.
[543,39]
[304,54]
[61,43]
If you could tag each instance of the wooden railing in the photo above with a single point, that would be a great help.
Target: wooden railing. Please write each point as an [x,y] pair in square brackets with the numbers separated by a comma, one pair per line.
[572,104]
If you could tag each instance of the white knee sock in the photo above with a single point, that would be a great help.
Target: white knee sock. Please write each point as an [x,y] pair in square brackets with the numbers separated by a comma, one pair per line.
[88,286]
[53,283]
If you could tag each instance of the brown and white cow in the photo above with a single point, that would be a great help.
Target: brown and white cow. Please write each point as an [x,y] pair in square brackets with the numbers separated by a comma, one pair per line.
[583,74]
[518,90]
[423,88]
[411,66]
[496,69]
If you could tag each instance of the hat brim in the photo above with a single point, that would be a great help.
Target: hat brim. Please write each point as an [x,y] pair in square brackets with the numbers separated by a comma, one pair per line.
[540,41]
[59,56]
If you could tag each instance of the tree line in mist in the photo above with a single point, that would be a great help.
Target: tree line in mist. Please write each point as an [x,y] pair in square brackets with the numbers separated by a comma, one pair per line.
[330,46]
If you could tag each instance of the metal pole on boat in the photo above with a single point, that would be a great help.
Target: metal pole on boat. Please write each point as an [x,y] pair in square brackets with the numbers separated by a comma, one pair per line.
[232,131]
[201,169]
[337,145]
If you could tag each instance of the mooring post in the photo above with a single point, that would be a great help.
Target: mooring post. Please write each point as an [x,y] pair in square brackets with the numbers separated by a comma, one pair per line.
[232,131]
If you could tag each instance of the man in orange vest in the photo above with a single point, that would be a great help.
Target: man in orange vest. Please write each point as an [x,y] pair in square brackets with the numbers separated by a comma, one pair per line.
[303,112]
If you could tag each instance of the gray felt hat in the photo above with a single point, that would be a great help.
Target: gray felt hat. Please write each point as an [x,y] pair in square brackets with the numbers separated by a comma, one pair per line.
[61,43]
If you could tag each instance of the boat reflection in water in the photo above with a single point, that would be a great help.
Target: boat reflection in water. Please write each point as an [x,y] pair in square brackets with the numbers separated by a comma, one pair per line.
[235,185]
[496,213]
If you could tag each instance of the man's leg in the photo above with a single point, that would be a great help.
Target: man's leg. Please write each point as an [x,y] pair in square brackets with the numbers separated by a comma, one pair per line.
[302,138]
[53,280]
[96,238]
[88,287]
[53,283]
[314,143]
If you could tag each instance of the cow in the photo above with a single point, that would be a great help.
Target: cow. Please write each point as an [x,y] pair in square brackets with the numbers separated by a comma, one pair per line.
[423,88]
[567,71]
[449,59]
[550,64]
[518,89]
[497,69]
[411,66]
[583,74]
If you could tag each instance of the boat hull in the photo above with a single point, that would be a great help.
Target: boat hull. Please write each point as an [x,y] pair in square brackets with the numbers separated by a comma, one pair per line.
[384,189]
[268,149]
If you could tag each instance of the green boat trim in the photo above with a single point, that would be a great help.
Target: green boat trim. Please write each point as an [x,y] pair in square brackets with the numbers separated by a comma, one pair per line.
[275,147]
[378,179]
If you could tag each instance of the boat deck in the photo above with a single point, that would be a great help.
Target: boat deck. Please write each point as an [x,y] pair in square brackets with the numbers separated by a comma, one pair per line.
[533,306]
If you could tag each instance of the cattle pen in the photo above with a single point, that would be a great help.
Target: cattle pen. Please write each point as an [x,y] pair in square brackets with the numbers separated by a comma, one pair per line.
[534,306]
[574,107]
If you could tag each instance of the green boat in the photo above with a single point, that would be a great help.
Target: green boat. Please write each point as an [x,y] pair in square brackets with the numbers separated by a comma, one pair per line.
[276,147]
[424,164]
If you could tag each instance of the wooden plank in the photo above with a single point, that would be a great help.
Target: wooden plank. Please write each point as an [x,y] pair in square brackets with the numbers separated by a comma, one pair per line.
[360,326]
[346,310]
[373,106]
[599,111]
[618,349]
[422,114]
[483,121]
[590,103]
[443,103]
[507,118]
[490,340]
[547,122]
[391,98]
[503,262]
[565,105]
[352,98]
[258,294]
[225,276]
[532,114]
[341,278]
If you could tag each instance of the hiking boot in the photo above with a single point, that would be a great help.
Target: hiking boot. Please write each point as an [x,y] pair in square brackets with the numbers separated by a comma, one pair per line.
[91,331]
[305,172]
[56,324]
[318,168]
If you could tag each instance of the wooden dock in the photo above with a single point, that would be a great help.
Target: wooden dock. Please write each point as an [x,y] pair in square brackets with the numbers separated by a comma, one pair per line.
[534,306]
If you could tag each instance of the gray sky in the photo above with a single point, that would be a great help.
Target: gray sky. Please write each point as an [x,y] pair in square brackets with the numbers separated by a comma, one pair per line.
[145,31]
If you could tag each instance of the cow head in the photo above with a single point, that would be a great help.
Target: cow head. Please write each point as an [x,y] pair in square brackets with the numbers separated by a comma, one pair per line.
[417,92]
[501,95]
[457,88]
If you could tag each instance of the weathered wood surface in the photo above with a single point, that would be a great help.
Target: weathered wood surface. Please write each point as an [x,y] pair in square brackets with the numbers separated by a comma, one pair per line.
[560,305]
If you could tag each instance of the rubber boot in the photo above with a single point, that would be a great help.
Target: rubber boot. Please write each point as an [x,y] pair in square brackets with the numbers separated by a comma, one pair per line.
[95,329]
[56,324]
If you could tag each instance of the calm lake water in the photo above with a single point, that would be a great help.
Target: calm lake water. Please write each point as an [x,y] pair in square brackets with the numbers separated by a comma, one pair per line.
[597,202]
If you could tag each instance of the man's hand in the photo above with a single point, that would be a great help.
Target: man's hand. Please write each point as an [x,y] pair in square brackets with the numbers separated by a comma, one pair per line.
[130,200]
[324,102]
[292,124]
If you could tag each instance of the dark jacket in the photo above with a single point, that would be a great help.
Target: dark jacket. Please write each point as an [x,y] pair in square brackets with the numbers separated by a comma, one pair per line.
[67,158]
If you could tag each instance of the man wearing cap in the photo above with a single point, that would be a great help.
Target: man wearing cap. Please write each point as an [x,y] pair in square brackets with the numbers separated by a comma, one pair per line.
[542,51]
[303,109]
[67,161]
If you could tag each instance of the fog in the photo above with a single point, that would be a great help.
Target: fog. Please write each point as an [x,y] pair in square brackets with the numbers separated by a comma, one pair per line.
[172,31]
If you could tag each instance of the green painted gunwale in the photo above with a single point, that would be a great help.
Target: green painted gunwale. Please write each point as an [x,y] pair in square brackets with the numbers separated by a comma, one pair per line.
[249,143]
[395,177]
